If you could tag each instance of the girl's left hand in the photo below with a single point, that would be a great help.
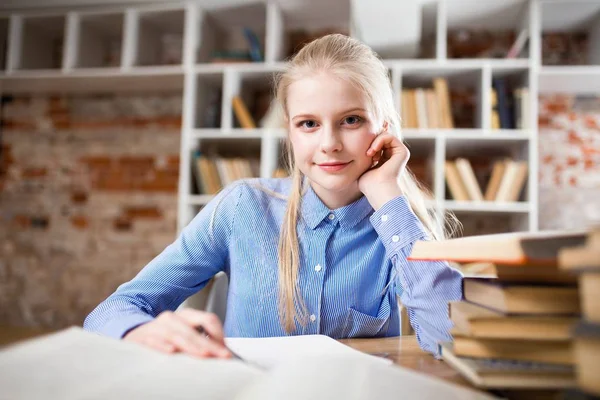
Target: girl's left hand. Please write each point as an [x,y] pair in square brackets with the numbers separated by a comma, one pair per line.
[390,156]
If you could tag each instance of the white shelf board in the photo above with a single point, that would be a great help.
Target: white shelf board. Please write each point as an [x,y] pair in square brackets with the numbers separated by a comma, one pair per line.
[584,79]
[236,133]
[199,199]
[487,206]
[86,80]
[488,134]
[458,64]
[468,134]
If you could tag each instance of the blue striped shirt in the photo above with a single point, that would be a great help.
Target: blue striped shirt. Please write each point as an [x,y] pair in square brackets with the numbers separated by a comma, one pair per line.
[352,264]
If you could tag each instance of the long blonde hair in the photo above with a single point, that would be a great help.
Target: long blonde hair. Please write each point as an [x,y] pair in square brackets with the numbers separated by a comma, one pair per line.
[356,62]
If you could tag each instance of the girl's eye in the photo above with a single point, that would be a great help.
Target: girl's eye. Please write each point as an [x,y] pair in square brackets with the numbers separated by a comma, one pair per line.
[353,120]
[308,124]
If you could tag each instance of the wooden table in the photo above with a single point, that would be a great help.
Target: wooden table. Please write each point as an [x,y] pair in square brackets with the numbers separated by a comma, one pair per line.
[405,351]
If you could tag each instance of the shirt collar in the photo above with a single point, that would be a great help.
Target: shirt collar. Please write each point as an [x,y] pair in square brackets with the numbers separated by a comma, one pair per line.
[314,211]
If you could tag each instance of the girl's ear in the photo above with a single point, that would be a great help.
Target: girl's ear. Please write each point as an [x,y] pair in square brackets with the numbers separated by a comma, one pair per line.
[384,128]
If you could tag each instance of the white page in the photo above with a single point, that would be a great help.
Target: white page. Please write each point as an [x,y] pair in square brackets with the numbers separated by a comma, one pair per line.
[352,378]
[273,351]
[75,364]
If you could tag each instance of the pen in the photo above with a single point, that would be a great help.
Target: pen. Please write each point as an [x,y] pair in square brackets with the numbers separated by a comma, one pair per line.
[200,329]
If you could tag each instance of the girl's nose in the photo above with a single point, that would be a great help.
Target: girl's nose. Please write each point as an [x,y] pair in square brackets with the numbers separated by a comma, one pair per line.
[330,140]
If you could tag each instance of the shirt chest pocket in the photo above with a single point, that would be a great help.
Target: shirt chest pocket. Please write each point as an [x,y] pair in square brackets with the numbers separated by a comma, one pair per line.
[359,324]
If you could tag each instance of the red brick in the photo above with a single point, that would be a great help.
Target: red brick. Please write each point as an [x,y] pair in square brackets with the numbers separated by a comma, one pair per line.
[79,221]
[173,161]
[572,161]
[34,172]
[96,161]
[143,212]
[573,181]
[574,138]
[79,197]
[22,220]
[122,224]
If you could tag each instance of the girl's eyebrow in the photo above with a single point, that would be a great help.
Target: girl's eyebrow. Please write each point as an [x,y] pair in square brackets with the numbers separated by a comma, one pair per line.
[311,116]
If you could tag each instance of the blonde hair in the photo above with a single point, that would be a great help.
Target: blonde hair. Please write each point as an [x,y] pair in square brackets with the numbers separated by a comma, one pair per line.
[356,62]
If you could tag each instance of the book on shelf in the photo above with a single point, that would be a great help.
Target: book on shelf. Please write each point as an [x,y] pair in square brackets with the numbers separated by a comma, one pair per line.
[491,189]
[454,182]
[504,103]
[514,175]
[213,173]
[518,44]
[467,176]
[426,107]
[495,117]
[509,107]
[509,374]
[242,114]
[253,45]
[442,92]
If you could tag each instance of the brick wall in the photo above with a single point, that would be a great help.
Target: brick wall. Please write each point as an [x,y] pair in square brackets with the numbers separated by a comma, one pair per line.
[569,144]
[88,196]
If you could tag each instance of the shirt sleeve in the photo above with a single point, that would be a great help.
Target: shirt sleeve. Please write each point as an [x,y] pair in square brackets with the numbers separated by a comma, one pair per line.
[180,270]
[427,286]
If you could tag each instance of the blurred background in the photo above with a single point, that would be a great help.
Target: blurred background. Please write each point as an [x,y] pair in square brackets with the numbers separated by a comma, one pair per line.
[119,121]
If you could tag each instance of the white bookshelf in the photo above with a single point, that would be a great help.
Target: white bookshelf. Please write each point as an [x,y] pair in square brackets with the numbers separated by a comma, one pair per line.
[122,48]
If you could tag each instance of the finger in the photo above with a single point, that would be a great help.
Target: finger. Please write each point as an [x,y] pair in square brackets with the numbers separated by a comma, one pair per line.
[209,321]
[383,141]
[160,344]
[186,338]
[199,346]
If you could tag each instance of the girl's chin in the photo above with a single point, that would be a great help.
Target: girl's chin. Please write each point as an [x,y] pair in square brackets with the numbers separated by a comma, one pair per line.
[334,183]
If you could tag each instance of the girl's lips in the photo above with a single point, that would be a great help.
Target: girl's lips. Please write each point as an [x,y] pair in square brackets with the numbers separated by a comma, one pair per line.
[333,167]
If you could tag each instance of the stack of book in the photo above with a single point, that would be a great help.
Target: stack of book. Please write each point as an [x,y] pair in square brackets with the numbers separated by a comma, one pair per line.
[514,330]
[506,182]
[426,108]
[510,108]
[213,173]
[585,261]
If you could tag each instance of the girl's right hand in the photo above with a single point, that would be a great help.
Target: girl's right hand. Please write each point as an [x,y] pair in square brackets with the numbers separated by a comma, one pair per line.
[172,332]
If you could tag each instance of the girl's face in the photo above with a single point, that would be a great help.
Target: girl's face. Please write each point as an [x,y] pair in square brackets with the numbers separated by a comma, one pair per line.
[331,130]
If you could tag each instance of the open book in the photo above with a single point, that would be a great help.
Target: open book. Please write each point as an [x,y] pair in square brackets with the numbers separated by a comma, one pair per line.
[75,364]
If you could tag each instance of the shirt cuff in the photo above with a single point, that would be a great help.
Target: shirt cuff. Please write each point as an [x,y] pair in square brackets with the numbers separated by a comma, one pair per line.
[118,327]
[397,225]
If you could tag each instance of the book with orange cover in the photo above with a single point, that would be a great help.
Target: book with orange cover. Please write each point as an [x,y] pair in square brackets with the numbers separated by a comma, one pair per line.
[242,114]
[524,248]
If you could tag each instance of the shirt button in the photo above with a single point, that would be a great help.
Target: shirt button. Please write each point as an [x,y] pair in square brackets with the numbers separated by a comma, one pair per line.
[384,218]
[395,238]
[313,318]
[318,267]
[331,216]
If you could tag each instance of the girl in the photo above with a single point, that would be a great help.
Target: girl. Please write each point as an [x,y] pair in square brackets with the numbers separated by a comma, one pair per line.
[323,251]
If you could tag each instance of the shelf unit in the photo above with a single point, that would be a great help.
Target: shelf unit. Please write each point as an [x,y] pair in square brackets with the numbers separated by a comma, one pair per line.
[167,46]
